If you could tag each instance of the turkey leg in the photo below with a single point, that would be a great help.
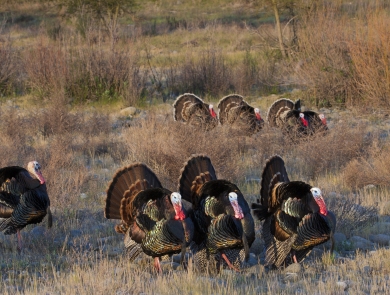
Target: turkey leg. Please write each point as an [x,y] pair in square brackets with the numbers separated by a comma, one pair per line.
[294,257]
[157,265]
[19,241]
[228,262]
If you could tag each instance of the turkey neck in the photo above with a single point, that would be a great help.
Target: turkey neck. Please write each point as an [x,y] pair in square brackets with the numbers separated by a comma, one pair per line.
[29,181]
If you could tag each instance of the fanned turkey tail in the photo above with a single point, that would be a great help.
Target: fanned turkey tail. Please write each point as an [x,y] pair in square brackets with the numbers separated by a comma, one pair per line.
[183,102]
[125,183]
[277,109]
[273,172]
[226,104]
[197,171]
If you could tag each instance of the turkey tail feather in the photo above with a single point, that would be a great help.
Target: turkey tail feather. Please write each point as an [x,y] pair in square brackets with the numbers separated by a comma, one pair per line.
[122,182]
[227,103]
[181,103]
[276,108]
[273,166]
[196,171]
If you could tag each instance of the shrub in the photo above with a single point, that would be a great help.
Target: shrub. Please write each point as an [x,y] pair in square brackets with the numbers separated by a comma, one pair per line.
[9,68]
[372,168]
[84,73]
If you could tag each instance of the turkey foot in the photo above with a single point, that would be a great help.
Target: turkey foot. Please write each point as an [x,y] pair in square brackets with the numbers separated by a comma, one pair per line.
[229,263]
[157,265]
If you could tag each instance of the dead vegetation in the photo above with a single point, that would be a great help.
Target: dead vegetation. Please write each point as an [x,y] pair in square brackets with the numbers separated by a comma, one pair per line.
[337,55]
[341,59]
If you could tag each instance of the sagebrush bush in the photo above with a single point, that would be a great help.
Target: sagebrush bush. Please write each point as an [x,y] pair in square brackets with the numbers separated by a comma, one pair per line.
[83,73]
[369,52]
[66,144]
[328,152]
[9,68]
[372,168]
[324,61]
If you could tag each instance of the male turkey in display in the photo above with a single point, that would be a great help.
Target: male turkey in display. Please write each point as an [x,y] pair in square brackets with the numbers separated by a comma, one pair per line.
[222,217]
[191,109]
[235,111]
[154,220]
[295,214]
[287,115]
[23,199]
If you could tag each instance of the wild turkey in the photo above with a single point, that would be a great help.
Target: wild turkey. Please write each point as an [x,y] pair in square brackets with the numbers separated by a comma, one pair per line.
[295,214]
[221,215]
[23,199]
[235,111]
[153,219]
[287,115]
[191,109]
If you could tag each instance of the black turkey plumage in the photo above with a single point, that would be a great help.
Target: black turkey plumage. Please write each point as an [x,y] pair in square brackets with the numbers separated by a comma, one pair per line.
[221,215]
[235,111]
[295,215]
[287,115]
[154,220]
[192,110]
[23,199]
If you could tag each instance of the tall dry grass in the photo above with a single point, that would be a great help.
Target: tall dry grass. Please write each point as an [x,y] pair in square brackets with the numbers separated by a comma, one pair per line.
[166,144]
[369,53]
[343,55]
[66,144]
[338,56]
[84,72]
[371,169]
[8,67]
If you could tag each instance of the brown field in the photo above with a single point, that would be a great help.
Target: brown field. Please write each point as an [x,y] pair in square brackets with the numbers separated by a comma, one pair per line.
[61,91]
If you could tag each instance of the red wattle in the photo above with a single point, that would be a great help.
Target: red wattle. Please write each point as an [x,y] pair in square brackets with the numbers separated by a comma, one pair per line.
[304,122]
[320,202]
[41,179]
[237,210]
[213,114]
[323,121]
[180,215]
[258,117]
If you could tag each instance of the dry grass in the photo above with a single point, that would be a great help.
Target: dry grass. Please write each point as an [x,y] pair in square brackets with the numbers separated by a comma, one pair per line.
[79,158]
[371,169]
[344,64]
[340,59]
